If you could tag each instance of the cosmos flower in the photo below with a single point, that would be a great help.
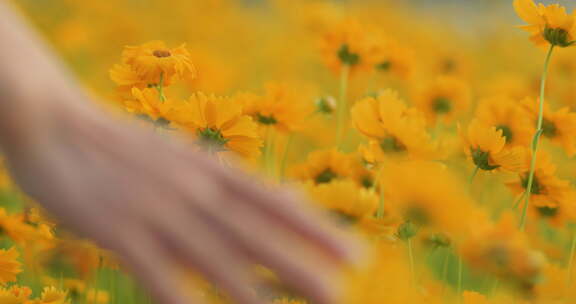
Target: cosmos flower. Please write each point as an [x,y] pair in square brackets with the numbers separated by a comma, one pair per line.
[344,199]
[9,265]
[485,145]
[152,63]
[444,100]
[324,166]
[558,126]
[281,107]
[547,23]
[508,116]
[219,124]
[392,127]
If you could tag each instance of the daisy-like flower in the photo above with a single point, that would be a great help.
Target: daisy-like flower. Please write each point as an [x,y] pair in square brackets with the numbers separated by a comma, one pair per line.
[547,23]
[392,127]
[486,147]
[219,124]
[393,58]
[152,63]
[502,250]
[421,192]
[551,197]
[345,199]
[348,44]
[146,103]
[508,116]
[558,126]
[281,107]
[52,295]
[444,99]
[324,166]
[9,265]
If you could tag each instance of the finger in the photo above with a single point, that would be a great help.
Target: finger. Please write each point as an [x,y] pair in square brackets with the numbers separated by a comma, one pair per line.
[261,240]
[301,218]
[221,264]
[283,206]
[152,266]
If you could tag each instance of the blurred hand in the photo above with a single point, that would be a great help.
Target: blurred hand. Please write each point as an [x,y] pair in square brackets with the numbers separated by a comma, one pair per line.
[160,206]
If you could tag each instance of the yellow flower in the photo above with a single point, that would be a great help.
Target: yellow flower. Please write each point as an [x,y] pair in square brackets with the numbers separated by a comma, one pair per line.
[281,107]
[146,103]
[348,44]
[471,297]
[486,146]
[324,166]
[558,126]
[547,23]
[15,295]
[445,99]
[427,195]
[9,265]
[506,115]
[52,295]
[219,124]
[393,58]
[152,63]
[504,251]
[345,199]
[551,198]
[393,128]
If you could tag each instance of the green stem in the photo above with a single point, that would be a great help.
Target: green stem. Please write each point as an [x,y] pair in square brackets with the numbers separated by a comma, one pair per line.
[460,280]
[411,257]
[445,270]
[160,88]
[536,138]
[471,180]
[571,258]
[285,156]
[342,106]
[380,210]
[518,200]
[269,152]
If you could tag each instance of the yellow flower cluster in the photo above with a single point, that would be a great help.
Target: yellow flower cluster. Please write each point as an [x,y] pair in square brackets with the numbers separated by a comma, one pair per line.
[446,154]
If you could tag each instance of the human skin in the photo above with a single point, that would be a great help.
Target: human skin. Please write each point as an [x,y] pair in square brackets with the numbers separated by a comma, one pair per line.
[148,198]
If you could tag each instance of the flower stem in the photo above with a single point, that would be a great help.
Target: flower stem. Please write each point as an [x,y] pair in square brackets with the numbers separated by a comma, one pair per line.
[471,180]
[285,156]
[445,270]
[342,106]
[411,258]
[460,279]
[160,88]
[536,138]
[380,210]
[571,258]
[269,152]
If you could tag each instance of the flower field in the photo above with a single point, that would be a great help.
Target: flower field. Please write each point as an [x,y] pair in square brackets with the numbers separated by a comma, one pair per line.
[442,136]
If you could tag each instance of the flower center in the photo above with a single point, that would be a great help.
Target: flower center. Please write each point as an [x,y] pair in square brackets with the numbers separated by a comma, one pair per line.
[348,57]
[547,211]
[442,105]
[537,188]
[384,66]
[212,139]
[161,53]
[549,128]
[391,144]
[506,132]
[266,120]
[325,176]
[367,182]
[482,160]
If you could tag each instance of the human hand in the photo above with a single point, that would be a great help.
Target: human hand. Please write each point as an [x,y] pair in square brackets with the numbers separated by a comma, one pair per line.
[160,206]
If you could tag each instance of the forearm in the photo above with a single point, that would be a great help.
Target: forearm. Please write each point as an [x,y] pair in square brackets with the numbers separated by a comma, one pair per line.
[34,89]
